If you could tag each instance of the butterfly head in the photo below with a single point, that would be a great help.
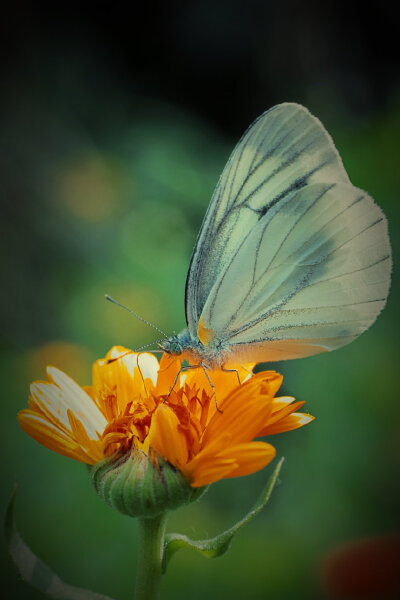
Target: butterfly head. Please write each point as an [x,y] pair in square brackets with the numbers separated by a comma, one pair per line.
[172,345]
[183,346]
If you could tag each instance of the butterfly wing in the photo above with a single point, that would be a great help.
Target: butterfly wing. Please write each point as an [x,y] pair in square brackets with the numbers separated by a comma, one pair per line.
[310,276]
[283,151]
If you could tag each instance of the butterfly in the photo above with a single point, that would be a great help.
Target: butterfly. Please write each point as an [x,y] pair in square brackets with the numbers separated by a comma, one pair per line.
[291,259]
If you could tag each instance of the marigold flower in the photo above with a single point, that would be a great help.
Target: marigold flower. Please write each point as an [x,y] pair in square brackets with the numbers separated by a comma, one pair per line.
[136,402]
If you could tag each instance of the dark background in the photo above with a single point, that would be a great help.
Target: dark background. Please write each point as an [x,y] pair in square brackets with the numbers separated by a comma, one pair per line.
[116,123]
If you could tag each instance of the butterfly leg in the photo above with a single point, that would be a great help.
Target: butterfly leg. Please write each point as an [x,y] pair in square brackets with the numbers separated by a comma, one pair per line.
[177,376]
[204,367]
[232,371]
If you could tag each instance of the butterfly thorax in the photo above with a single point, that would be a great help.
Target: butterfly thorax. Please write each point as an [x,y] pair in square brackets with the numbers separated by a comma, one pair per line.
[212,355]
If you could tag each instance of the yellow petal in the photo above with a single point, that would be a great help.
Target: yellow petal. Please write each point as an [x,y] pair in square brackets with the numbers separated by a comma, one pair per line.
[74,398]
[145,363]
[93,448]
[125,374]
[50,436]
[47,399]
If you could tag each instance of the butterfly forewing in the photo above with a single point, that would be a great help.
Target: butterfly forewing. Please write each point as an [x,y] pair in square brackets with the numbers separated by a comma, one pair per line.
[285,150]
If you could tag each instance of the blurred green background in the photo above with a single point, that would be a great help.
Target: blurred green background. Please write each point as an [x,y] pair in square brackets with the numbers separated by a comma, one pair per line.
[115,127]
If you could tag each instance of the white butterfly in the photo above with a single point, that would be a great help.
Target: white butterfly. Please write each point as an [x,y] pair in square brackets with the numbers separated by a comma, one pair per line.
[291,259]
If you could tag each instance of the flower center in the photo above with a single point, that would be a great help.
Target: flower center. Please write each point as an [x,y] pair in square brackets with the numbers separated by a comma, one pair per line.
[131,426]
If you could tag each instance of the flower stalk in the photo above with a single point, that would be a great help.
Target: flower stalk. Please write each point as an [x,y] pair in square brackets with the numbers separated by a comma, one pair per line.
[151,549]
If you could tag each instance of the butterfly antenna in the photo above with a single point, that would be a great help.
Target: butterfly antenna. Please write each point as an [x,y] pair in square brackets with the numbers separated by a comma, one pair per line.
[151,344]
[135,315]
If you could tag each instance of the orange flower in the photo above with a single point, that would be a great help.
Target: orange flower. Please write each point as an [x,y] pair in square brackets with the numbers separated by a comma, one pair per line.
[136,402]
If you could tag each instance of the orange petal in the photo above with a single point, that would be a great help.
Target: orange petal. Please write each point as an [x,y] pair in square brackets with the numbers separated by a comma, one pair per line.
[272,381]
[224,382]
[234,461]
[166,437]
[288,407]
[242,415]
[282,402]
[196,376]
[288,423]
[167,374]
[211,449]
[210,470]
[250,457]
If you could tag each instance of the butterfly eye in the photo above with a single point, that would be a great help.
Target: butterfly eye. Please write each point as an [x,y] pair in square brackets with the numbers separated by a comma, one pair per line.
[169,346]
[175,347]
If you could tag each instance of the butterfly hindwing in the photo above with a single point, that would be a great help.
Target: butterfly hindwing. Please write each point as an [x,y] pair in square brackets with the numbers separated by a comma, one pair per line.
[310,276]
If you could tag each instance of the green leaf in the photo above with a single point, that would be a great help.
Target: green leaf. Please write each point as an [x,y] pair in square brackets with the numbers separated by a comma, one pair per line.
[36,572]
[218,545]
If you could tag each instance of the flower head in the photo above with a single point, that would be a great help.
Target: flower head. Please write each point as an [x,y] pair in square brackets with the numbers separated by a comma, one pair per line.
[202,423]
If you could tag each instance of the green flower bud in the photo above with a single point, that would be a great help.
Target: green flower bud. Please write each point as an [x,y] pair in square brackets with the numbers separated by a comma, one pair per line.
[140,485]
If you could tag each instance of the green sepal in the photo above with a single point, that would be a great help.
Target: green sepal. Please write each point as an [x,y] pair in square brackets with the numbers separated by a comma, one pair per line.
[138,485]
[34,571]
[218,545]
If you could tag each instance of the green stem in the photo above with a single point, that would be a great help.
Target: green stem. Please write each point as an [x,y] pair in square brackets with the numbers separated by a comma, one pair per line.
[151,548]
